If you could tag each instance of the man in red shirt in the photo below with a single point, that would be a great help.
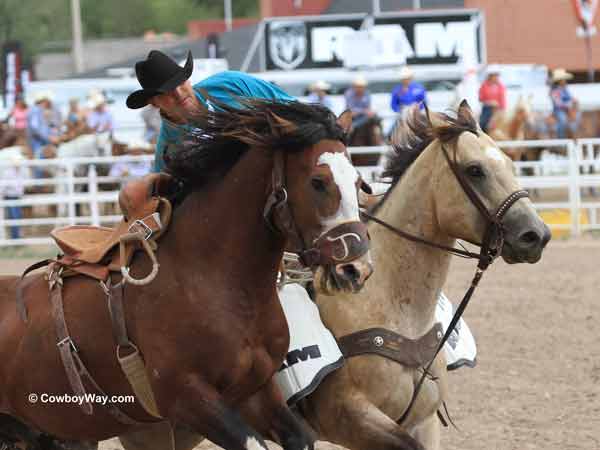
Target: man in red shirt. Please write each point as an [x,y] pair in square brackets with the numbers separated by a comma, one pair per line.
[492,95]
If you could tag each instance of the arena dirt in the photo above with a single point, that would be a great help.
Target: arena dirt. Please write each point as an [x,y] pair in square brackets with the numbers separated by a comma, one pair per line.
[537,382]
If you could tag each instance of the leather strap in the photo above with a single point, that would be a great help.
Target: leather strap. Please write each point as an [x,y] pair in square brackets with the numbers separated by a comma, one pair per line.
[411,353]
[114,294]
[66,347]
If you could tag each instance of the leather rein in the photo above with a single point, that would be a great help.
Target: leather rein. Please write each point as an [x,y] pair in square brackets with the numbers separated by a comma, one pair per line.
[490,249]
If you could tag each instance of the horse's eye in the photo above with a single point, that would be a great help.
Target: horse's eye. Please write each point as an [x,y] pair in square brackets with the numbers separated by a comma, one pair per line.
[475,171]
[318,184]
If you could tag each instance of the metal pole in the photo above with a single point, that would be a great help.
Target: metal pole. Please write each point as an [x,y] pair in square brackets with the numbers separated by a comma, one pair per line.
[376,7]
[77,41]
[588,48]
[228,14]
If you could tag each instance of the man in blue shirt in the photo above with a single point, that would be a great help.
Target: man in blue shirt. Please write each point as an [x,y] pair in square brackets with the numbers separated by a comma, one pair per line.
[166,86]
[407,93]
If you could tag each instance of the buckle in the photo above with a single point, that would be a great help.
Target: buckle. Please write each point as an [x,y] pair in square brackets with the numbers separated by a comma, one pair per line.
[68,341]
[145,228]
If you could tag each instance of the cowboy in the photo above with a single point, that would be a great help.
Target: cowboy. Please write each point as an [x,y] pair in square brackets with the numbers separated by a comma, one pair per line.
[358,100]
[99,120]
[492,95]
[408,92]
[319,94]
[166,86]
[39,130]
[564,106]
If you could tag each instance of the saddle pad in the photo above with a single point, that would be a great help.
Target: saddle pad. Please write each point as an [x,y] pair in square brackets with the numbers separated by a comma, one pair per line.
[313,352]
[460,348]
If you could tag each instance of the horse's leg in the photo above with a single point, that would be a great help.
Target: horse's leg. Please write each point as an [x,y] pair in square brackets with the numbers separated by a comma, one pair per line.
[202,409]
[160,436]
[267,412]
[428,433]
[350,420]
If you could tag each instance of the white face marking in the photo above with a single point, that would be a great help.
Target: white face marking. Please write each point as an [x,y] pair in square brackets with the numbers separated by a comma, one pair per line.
[345,176]
[253,444]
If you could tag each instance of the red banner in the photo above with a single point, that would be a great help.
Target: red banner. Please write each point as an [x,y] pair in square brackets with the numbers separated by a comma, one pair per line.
[585,11]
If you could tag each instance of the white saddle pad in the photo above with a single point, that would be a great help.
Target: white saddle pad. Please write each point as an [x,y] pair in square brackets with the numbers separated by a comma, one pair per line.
[460,347]
[313,353]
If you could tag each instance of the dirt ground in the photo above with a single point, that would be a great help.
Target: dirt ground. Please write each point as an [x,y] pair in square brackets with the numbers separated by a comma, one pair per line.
[537,382]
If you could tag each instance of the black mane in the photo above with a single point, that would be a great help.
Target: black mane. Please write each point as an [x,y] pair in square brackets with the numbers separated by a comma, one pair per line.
[417,133]
[224,134]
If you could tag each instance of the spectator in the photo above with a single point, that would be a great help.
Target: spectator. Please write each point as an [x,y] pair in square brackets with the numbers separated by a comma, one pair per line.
[358,100]
[39,130]
[492,95]
[151,117]
[407,93]
[18,116]
[15,174]
[99,119]
[564,106]
[319,94]
[75,122]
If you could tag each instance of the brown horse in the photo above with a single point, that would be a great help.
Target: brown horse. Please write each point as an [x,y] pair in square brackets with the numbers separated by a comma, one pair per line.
[358,406]
[210,326]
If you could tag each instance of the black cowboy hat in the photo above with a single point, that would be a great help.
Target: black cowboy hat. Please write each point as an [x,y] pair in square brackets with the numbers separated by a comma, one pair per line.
[158,74]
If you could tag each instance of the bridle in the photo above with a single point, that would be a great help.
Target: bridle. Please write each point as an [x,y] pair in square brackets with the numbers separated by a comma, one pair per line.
[342,243]
[490,249]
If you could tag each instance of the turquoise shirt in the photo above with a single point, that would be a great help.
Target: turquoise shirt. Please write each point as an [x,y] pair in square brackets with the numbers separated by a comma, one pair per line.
[224,87]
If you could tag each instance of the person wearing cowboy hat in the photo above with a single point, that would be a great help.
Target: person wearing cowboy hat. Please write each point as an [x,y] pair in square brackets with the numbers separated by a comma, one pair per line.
[319,94]
[408,92]
[492,95]
[564,106]
[358,100]
[99,120]
[166,86]
[39,129]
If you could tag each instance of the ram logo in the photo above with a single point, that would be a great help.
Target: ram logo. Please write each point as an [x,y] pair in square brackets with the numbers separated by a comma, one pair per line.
[303,354]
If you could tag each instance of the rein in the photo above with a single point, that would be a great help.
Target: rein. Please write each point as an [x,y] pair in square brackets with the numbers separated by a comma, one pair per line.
[490,249]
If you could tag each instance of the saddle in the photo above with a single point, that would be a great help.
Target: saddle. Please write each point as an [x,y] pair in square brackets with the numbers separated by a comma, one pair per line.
[97,251]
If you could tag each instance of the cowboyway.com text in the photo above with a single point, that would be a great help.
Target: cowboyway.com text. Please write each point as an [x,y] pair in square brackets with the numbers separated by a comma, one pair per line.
[80,399]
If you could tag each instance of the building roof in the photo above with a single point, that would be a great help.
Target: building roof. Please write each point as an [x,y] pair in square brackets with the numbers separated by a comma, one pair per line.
[363,6]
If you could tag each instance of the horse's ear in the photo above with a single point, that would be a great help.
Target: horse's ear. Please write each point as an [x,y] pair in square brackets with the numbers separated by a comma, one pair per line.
[345,121]
[464,111]
[433,118]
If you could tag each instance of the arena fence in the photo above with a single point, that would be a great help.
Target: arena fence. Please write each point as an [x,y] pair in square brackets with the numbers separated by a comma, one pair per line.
[79,191]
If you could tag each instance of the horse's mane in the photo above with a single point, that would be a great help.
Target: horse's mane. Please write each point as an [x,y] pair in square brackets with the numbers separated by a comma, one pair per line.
[417,133]
[225,133]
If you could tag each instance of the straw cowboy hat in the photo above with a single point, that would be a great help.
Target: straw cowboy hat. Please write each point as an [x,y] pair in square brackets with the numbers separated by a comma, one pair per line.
[158,74]
[406,73]
[561,74]
[360,81]
[321,85]
[96,99]
[492,69]
[43,95]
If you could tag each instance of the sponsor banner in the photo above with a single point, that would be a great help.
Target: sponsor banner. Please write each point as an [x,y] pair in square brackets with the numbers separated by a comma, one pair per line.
[585,12]
[390,39]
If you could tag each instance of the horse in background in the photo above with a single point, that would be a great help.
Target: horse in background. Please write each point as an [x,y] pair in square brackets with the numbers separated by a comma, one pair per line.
[514,126]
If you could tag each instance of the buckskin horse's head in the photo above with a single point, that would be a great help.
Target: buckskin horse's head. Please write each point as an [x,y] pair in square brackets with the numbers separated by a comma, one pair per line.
[311,198]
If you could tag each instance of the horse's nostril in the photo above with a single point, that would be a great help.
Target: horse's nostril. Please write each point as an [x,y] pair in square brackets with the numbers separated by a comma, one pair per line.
[529,238]
[349,271]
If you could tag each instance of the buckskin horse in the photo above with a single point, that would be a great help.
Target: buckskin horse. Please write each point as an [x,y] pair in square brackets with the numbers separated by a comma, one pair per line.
[449,181]
[202,335]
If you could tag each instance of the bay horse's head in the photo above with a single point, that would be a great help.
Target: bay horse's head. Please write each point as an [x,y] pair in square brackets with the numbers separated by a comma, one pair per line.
[476,194]
[312,195]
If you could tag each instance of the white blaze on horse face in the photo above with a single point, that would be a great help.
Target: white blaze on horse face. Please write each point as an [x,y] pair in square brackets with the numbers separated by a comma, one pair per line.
[345,177]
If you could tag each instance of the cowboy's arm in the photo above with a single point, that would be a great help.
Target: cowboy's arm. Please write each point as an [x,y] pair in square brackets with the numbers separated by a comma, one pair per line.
[395,101]
[170,134]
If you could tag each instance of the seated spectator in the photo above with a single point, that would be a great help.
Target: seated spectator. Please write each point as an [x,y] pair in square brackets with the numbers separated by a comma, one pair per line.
[564,107]
[492,95]
[18,116]
[39,130]
[407,93]
[358,100]
[99,120]
[319,95]
[76,121]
